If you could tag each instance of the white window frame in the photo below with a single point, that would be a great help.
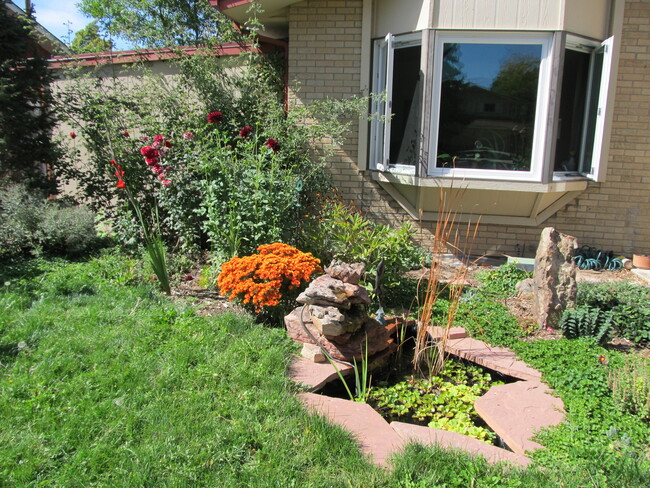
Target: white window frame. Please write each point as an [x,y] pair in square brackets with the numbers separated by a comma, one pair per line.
[382,101]
[541,155]
[607,46]
[541,109]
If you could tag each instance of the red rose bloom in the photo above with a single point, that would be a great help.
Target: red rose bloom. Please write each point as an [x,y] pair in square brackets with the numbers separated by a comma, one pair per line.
[158,138]
[149,152]
[126,133]
[245,131]
[166,183]
[72,135]
[168,144]
[214,117]
[273,144]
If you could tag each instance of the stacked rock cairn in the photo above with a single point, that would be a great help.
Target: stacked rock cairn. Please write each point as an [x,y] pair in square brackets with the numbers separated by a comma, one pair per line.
[334,312]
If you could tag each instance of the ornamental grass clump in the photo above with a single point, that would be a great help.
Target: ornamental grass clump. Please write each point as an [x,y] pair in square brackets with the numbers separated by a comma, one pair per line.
[266,279]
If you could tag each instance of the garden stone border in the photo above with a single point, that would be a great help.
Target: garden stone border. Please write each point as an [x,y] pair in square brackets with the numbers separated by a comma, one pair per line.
[514,411]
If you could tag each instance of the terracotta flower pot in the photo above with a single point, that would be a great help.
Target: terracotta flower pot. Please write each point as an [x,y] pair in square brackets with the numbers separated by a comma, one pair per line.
[641,261]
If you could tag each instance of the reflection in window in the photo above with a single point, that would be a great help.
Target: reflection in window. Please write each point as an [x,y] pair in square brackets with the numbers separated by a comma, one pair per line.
[487,105]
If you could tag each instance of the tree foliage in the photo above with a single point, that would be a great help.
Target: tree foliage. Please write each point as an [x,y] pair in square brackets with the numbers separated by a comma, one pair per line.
[156,23]
[88,40]
[518,78]
[26,119]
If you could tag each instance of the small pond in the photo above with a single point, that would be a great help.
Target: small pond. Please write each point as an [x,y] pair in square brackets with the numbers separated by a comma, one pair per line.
[443,401]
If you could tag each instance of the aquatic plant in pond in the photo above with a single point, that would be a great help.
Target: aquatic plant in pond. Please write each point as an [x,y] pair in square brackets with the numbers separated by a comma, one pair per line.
[444,401]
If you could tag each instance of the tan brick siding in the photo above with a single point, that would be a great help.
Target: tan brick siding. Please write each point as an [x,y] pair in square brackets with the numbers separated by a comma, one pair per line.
[324,61]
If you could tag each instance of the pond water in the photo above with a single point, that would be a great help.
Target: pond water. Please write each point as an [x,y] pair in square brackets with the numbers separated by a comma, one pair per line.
[443,401]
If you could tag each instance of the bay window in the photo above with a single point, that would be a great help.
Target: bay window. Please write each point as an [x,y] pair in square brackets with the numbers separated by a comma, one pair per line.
[519,106]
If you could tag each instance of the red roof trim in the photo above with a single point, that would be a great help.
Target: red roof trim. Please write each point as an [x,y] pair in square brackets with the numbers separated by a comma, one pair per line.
[222,5]
[124,57]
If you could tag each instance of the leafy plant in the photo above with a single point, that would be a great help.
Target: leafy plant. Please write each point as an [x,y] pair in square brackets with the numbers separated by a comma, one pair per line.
[345,234]
[36,225]
[500,283]
[630,386]
[628,304]
[151,234]
[362,379]
[588,322]
[488,320]
[444,401]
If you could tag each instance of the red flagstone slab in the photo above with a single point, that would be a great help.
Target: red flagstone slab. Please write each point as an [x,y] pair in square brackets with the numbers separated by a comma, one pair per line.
[518,410]
[375,437]
[315,375]
[454,333]
[452,440]
[499,359]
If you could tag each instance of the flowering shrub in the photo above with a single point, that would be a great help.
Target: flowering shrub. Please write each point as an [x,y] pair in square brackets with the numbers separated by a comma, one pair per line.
[241,171]
[154,154]
[153,242]
[262,279]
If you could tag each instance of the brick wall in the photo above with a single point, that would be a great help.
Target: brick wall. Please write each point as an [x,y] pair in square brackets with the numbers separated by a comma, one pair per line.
[324,53]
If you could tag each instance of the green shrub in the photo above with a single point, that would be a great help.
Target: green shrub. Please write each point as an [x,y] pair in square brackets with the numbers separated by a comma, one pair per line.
[227,192]
[501,281]
[344,234]
[628,304]
[588,322]
[33,224]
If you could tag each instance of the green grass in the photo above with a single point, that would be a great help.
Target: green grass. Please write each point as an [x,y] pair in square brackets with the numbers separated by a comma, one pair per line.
[104,382]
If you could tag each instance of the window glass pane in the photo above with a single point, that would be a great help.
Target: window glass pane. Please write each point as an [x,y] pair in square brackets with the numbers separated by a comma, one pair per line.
[575,78]
[487,105]
[406,106]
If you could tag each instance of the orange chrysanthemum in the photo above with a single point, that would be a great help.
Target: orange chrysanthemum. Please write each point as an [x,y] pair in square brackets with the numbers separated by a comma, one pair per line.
[260,278]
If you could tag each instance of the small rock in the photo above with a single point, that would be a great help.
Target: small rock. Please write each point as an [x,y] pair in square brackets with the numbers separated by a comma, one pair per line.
[332,322]
[525,287]
[326,290]
[347,273]
[313,353]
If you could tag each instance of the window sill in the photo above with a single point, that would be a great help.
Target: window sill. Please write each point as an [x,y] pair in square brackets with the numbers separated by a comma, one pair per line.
[561,182]
[496,202]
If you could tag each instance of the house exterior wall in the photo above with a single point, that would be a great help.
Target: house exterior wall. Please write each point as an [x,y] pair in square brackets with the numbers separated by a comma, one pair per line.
[325,44]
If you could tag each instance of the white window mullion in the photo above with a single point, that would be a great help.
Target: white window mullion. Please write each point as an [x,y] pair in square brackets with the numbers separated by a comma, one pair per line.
[379,103]
[388,106]
[601,79]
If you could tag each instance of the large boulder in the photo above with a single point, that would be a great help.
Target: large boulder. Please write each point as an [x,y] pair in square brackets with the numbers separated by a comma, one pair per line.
[376,335]
[554,279]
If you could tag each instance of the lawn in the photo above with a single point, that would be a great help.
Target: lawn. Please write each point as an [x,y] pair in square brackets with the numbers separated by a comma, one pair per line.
[105,382]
